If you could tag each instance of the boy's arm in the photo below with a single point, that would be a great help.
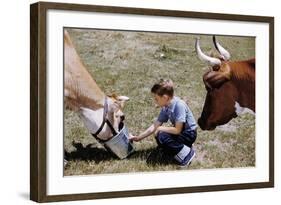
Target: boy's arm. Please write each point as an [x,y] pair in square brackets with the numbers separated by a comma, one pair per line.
[172,130]
[147,132]
[180,116]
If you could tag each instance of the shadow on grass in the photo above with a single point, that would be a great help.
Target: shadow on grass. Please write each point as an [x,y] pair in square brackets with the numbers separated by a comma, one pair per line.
[153,157]
[88,153]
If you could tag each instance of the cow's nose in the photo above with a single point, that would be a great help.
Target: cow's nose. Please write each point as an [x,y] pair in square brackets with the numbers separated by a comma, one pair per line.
[122,117]
[201,123]
[205,125]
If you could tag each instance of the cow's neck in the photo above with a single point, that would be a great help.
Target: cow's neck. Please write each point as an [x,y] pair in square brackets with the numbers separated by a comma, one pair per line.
[245,93]
[80,87]
[243,78]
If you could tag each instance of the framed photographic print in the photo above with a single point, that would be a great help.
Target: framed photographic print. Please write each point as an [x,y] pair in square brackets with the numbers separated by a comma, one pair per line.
[136,102]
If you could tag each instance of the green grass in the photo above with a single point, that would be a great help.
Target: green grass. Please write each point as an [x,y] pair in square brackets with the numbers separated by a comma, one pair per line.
[129,63]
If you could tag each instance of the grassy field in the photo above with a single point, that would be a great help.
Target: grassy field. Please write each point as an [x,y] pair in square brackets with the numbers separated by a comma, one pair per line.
[129,63]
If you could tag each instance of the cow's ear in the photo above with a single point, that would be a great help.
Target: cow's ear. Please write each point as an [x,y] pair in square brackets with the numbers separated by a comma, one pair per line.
[123,98]
[214,79]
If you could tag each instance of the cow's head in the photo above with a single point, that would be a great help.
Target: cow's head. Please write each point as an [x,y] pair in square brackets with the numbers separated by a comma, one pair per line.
[115,114]
[219,106]
[93,119]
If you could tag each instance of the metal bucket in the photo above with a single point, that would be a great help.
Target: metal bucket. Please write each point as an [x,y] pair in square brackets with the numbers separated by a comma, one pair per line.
[120,144]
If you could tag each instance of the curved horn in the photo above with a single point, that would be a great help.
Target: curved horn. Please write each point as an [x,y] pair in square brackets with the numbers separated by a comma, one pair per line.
[211,61]
[225,54]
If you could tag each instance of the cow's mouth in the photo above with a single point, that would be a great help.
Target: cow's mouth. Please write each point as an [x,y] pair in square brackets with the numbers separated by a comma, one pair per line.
[120,126]
[203,125]
[208,128]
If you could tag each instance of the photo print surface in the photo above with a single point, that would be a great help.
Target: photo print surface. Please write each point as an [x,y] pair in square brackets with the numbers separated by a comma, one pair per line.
[213,75]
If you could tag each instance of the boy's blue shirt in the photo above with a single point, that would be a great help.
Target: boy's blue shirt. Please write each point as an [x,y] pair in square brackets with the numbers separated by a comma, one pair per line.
[178,111]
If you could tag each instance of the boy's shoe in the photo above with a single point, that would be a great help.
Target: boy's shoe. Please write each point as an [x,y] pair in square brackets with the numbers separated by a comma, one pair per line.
[187,160]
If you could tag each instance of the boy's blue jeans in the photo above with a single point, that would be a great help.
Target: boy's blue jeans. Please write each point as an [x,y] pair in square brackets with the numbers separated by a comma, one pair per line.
[172,144]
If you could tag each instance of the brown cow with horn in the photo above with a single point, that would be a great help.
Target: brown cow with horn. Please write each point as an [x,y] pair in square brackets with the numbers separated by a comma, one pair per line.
[230,87]
[101,114]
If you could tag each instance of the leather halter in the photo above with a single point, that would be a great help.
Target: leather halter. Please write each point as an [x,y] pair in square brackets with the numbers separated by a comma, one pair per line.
[104,120]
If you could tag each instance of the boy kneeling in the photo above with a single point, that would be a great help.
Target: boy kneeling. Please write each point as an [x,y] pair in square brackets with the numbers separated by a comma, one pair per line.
[176,141]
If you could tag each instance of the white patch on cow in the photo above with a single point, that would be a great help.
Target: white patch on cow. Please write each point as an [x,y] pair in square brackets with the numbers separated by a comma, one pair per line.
[242,110]
[92,119]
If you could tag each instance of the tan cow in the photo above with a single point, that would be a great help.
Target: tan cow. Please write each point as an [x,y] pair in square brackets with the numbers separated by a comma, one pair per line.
[101,114]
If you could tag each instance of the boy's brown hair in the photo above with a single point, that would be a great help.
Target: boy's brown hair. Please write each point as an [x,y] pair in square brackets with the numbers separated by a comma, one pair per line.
[163,87]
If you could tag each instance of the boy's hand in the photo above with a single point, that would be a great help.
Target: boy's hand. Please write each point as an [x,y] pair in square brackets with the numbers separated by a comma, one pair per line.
[134,138]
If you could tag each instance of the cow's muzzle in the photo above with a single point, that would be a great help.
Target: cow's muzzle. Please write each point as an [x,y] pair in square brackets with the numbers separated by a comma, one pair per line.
[121,124]
[204,126]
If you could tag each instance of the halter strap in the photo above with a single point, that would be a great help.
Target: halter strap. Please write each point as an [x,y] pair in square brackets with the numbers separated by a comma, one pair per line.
[104,120]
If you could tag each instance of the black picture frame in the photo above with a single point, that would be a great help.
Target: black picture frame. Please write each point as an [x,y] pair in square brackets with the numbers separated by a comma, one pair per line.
[38,102]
